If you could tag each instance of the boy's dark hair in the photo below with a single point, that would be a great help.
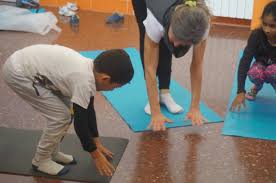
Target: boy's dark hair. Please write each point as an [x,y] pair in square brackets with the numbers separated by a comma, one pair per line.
[117,64]
[270,9]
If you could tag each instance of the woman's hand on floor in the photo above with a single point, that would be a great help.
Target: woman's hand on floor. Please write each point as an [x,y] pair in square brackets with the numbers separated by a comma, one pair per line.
[195,116]
[158,121]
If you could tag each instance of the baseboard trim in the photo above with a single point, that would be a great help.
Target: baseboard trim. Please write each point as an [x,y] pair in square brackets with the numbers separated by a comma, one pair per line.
[227,21]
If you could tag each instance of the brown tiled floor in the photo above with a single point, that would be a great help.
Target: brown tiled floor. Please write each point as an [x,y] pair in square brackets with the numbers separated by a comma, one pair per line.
[181,155]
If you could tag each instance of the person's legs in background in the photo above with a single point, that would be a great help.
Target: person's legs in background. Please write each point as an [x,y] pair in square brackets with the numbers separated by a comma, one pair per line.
[164,70]
[140,11]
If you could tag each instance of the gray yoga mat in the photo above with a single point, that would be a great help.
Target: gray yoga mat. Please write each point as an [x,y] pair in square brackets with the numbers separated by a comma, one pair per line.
[17,148]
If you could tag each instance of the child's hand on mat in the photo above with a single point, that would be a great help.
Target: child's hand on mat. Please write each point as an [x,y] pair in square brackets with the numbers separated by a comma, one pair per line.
[103,149]
[102,164]
[238,102]
[158,121]
[195,116]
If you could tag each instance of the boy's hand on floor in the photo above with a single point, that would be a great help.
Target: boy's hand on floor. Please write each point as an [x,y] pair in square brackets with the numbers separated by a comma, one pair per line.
[238,102]
[103,149]
[102,164]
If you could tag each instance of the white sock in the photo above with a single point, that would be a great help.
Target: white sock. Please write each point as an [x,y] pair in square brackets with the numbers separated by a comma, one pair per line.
[147,109]
[63,158]
[167,100]
[48,166]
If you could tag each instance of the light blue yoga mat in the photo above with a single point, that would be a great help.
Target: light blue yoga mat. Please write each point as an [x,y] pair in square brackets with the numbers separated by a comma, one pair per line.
[258,120]
[41,10]
[130,100]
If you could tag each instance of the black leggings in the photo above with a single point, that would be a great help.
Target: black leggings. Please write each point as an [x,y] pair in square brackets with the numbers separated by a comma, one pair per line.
[163,72]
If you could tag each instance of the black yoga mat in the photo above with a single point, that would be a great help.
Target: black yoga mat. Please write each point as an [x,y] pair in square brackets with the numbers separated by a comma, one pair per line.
[17,148]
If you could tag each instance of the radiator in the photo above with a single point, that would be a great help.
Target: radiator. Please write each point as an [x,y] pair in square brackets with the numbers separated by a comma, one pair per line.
[232,8]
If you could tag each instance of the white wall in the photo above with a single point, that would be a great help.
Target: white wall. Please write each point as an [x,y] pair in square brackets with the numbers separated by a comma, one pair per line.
[232,8]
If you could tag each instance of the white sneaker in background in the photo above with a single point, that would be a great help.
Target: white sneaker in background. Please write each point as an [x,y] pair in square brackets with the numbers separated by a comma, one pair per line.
[72,6]
[64,11]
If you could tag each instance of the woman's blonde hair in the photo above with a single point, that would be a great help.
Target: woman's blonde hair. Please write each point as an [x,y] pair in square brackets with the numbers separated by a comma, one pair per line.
[190,21]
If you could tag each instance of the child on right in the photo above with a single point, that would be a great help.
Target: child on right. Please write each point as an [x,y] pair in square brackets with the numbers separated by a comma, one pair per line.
[261,45]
